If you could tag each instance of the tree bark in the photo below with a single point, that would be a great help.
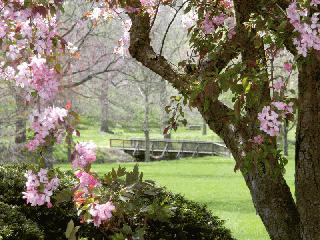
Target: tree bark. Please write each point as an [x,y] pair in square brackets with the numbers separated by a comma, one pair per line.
[308,148]
[271,195]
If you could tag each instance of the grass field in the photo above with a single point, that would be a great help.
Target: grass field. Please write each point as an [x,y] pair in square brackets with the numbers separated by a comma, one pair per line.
[209,180]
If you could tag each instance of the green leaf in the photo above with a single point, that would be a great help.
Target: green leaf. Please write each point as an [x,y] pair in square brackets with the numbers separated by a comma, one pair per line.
[64,195]
[70,228]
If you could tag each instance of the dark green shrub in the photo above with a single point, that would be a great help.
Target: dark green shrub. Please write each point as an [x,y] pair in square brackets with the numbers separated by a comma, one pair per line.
[15,225]
[144,211]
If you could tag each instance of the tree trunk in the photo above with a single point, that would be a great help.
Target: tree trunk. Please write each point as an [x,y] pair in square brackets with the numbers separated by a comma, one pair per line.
[21,121]
[308,149]
[163,104]
[271,195]
[146,128]
[104,103]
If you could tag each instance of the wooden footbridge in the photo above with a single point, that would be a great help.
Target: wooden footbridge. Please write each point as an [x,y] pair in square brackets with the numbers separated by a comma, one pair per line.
[169,149]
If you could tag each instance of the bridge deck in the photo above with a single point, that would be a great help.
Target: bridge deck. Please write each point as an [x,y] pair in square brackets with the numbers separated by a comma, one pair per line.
[164,148]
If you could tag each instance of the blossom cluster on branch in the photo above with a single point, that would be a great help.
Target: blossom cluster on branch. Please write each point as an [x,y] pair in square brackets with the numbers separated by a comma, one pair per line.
[30,39]
[307,27]
[39,188]
[86,196]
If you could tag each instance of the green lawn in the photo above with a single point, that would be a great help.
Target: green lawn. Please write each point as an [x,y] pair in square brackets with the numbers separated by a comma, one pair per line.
[209,180]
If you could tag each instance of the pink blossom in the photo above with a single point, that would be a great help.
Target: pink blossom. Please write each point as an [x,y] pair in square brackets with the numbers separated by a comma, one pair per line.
[315,2]
[308,30]
[258,139]
[101,213]
[86,180]
[3,29]
[288,67]
[33,195]
[44,123]
[209,24]
[84,154]
[278,85]
[227,3]
[269,122]
[281,106]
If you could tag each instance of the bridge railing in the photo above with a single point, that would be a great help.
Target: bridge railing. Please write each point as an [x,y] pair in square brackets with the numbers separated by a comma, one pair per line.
[175,146]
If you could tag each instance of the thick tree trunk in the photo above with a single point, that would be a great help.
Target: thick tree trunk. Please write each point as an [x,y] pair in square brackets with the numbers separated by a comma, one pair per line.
[275,205]
[271,195]
[308,149]
[21,121]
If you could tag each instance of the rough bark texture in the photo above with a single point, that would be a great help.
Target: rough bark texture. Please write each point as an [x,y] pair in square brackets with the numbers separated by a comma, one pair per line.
[271,196]
[308,149]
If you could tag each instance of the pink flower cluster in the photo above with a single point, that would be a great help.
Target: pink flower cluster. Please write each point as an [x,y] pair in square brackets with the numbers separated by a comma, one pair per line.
[28,39]
[209,23]
[101,212]
[86,181]
[284,107]
[150,6]
[227,3]
[258,139]
[46,123]
[98,213]
[269,122]
[37,75]
[38,181]
[308,28]
[84,155]
[278,85]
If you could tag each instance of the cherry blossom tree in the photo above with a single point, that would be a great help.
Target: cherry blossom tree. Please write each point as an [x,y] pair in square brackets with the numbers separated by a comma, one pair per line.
[221,31]
[254,32]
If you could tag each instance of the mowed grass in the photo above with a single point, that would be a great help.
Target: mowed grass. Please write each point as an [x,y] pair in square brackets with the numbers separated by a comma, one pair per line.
[212,181]
[208,180]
